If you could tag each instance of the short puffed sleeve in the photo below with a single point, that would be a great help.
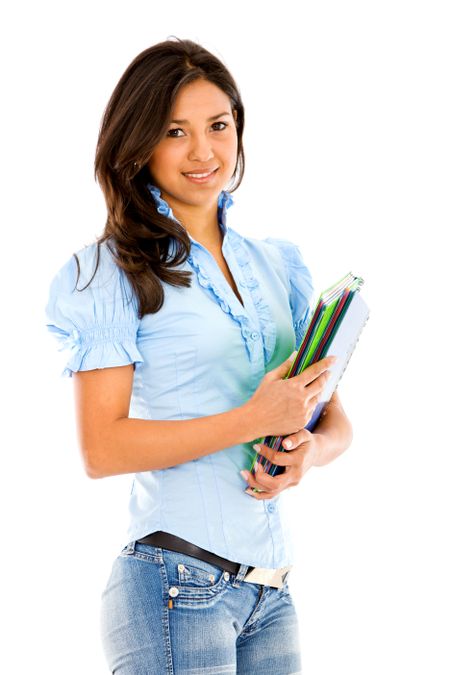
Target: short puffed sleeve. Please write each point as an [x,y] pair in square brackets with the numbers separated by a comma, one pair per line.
[300,283]
[97,324]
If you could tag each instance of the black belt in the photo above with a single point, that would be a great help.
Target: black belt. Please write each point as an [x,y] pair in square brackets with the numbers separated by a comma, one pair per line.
[172,543]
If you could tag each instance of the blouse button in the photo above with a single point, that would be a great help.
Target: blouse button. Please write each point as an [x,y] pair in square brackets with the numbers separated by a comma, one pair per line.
[173,592]
[181,567]
[254,336]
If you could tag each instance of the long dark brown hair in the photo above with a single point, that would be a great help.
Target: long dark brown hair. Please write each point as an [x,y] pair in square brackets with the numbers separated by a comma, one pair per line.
[135,120]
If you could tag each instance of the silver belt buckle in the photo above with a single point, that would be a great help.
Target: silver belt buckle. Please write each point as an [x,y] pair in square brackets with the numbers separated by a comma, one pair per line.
[268,577]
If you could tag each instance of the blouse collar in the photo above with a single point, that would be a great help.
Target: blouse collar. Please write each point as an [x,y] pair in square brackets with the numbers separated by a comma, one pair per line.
[224,201]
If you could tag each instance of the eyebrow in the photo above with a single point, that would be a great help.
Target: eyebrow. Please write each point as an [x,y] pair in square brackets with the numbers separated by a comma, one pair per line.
[210,119]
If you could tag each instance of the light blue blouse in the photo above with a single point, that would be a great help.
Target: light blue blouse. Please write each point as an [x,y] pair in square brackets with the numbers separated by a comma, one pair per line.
[201,354]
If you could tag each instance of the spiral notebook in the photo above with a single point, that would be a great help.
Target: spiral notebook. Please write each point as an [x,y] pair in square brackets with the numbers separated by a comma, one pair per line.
[334,329]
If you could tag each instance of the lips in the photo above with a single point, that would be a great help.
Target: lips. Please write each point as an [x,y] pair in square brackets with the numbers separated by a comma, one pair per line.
[200,173]
[202,177]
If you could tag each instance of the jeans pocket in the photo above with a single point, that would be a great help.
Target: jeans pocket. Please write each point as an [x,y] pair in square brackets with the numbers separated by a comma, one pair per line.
[195,580]
[192,574]
[145,552]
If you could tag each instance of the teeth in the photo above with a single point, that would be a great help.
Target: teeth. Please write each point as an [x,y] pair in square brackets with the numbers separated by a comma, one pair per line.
[199,175]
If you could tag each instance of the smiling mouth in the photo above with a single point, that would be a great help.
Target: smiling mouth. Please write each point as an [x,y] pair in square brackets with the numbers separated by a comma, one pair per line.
[201,175]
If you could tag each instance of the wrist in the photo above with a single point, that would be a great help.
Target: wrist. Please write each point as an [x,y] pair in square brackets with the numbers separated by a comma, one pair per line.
[248,420]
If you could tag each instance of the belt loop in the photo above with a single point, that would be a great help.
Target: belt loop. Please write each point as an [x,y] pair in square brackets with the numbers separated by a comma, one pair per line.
[240,575]
[130,547]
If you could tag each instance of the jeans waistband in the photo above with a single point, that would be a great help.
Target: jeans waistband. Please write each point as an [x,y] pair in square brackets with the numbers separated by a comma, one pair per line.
[173,543]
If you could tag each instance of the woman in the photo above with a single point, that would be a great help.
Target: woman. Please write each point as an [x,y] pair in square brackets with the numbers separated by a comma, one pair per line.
[180,332]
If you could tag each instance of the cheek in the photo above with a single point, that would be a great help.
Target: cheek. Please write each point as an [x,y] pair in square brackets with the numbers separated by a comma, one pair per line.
[228,151]
[235,152]
[164,158]
[233,143]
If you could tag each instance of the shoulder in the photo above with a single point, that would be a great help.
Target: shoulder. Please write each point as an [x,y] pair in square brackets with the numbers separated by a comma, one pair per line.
[289,252]
[286,258]
[89,310]
[282,253]
[91,269]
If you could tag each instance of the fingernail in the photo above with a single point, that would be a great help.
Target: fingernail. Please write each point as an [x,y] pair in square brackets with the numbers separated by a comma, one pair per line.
[257,467]
[256,447]
[244,474]
[287,444]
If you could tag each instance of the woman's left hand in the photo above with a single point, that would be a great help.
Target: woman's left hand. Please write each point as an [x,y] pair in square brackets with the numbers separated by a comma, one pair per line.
[297,460]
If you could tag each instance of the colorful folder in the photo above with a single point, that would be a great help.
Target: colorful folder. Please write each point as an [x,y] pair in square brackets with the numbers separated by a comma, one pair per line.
[334,329]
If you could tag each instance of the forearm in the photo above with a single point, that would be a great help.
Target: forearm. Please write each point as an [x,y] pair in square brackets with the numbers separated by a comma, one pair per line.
[131,445]
[333,432]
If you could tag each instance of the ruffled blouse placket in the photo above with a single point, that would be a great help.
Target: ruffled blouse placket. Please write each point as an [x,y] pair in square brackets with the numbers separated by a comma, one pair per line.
[265,320]
[254,318]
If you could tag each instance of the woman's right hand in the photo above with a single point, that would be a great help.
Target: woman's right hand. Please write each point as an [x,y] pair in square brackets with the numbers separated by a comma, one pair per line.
[284,406]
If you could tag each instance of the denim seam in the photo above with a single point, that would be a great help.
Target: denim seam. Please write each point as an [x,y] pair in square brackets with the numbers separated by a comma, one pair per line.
[130,552]
[252,622]
[238,578]
[165,617]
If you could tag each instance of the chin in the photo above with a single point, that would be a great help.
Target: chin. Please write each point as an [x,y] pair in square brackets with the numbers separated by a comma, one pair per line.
[199,192]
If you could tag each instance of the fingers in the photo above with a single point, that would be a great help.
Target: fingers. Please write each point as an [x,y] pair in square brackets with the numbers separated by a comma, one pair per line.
[280,457]
[315,370]
[316,387]
[262,495]
[283,369]
[312,404]
[277,457]
[262,485]
[291,442]
[265,482]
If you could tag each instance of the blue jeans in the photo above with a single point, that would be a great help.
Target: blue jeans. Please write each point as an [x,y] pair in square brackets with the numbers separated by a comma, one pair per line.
[167,613]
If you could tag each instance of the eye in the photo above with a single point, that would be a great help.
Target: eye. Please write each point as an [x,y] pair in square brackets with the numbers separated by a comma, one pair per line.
[224,125]
[169,133]
[172,133]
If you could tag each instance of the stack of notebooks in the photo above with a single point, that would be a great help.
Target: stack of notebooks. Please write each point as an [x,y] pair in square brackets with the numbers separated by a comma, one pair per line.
[334,329]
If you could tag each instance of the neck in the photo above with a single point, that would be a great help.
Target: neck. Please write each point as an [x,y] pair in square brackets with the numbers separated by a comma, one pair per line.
[200,221]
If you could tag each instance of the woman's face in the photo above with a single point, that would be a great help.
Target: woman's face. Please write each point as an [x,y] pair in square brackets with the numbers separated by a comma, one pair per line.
[201,138]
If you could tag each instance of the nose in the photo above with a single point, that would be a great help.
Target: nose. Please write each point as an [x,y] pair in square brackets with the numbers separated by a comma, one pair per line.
[200,148]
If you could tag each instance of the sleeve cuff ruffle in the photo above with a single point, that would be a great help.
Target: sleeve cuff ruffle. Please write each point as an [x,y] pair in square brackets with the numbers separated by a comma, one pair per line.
[99,348]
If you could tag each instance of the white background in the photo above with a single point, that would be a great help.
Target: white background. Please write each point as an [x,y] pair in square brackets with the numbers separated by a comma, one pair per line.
[347,147]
